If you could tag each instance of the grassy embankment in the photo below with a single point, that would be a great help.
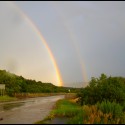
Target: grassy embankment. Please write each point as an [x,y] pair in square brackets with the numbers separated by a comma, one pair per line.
[65,108]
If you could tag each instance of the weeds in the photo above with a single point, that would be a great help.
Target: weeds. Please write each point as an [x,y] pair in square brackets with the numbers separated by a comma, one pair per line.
[94,115]
[7,98]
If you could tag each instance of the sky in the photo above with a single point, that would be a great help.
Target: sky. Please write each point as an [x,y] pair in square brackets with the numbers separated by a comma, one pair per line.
[82,40]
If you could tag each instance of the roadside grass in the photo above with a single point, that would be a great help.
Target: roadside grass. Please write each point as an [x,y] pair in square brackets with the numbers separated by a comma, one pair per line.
[65,108]
[77,119]
[7,98]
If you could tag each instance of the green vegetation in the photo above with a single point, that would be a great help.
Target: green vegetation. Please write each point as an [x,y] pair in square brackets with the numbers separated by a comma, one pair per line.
[62,109]
[66,108]
[7,98]
[110,107]
[93,115]
[103,100]
[103,89]
[21,87]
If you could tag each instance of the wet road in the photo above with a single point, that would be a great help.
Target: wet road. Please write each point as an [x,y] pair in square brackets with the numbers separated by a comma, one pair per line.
[27,111]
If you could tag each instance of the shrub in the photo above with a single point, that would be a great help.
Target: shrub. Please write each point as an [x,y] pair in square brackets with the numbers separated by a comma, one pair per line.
[101,89]
[111,107]
[93,115]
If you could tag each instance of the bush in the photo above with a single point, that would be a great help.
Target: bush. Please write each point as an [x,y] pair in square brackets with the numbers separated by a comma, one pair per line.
[101,89]
[111,107]
[100,114]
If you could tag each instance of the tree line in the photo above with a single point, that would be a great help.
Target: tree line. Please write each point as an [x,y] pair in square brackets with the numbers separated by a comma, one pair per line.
[19,84]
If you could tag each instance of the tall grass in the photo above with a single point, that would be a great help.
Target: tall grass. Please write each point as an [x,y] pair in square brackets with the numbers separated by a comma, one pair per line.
[103,113]
[111,107]
[77,119]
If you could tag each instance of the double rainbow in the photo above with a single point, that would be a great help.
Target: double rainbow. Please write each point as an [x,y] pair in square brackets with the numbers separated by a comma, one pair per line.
[71,35]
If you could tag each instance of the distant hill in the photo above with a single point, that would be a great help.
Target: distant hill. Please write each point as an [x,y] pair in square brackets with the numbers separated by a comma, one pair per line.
[18,84]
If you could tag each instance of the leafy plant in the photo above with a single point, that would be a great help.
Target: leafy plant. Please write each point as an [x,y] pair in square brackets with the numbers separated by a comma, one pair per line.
[111,107]
[101,89]
[93,115]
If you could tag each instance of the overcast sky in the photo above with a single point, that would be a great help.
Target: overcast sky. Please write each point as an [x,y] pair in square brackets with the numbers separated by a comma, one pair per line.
[87,38]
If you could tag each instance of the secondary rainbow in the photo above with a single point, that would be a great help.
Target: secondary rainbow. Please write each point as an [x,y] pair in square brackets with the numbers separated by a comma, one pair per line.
[58,75]
[73,38]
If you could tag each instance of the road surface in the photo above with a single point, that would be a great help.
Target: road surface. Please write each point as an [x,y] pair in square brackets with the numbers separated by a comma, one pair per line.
[27,111]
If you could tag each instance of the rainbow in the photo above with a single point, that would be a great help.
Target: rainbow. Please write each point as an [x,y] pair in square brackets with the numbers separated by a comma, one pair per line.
[73,39]
[58,75]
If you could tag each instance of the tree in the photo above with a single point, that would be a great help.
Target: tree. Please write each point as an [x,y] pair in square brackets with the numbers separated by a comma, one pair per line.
[103,88]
